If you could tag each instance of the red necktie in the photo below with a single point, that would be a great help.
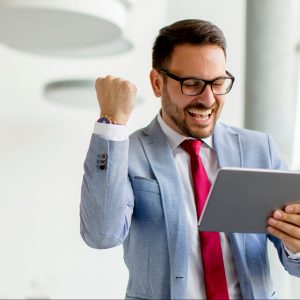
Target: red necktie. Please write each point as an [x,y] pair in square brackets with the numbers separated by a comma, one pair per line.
[211,251]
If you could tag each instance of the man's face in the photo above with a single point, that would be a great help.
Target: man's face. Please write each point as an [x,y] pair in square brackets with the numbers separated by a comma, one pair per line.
[193,116]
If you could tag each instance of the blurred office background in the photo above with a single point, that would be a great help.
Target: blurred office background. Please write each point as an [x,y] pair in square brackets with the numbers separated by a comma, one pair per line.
[48,108]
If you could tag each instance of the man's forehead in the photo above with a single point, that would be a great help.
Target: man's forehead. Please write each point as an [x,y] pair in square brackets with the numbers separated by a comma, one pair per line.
[190,59]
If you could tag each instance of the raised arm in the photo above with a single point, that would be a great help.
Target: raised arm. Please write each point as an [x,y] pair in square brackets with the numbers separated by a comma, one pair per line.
[106,197]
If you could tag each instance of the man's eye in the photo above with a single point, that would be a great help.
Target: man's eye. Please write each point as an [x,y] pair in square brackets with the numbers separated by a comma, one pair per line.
[192,83]
[219,82]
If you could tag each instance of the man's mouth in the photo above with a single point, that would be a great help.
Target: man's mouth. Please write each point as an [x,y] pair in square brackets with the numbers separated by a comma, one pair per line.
[200,114]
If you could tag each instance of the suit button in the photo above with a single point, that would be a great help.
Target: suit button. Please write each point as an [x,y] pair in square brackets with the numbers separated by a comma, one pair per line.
[102,161]
[104,156]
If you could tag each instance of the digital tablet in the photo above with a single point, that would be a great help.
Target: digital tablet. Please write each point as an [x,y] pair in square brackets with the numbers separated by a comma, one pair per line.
[241,200]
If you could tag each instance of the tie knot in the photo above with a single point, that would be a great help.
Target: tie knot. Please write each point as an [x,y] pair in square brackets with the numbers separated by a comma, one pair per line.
[192,147]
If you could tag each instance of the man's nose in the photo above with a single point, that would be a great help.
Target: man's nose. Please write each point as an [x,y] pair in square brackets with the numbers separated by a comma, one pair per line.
[207,96]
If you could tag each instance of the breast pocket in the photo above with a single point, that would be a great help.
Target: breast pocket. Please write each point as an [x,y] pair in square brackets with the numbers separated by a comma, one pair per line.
[147,206]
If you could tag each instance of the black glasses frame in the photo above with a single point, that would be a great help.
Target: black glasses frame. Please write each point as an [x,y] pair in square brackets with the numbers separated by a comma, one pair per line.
[206,82]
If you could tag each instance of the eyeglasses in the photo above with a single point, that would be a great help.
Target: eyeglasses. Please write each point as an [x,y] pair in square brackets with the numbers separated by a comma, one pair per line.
[193,86]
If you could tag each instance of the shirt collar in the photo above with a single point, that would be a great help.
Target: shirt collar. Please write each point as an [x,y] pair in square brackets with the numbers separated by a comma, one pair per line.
[174,138]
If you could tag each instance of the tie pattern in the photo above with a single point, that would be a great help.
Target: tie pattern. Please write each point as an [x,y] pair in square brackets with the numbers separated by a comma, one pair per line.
[211,251]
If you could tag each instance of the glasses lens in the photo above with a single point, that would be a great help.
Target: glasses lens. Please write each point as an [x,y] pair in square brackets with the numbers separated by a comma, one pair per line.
[192,87]
[221,86]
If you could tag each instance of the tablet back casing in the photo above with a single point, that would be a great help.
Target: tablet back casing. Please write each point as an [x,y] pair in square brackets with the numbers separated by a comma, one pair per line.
[241,200]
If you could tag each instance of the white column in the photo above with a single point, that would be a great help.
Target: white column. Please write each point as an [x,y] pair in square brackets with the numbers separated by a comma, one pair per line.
[271,91]
[295,165]
[271,69]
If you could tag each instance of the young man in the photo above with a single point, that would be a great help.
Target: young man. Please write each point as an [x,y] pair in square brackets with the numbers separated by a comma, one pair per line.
[148,191]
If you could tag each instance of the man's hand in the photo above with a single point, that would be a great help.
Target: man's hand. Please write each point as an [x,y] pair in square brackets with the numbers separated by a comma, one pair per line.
[116,98]
[285,225]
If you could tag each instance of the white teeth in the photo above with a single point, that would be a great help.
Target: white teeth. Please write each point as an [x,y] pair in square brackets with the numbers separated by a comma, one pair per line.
[200,112]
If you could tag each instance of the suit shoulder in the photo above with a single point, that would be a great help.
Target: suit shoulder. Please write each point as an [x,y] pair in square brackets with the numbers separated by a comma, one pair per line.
[137,133]
[243,131]
[134,137]
[256,147]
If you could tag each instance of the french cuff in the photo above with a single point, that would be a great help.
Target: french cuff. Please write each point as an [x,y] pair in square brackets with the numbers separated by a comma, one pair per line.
[111,132]
[291,255]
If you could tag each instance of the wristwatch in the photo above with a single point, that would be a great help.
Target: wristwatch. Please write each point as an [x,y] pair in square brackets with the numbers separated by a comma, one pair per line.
[107,120]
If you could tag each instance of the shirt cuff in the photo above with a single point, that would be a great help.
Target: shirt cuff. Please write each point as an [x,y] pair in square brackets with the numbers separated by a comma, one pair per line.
[291,255]
[111,132]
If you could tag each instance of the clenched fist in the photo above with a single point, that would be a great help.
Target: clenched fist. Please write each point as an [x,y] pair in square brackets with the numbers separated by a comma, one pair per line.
[116,98]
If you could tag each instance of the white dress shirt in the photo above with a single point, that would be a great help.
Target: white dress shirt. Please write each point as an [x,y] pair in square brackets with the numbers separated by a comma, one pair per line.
[195,281]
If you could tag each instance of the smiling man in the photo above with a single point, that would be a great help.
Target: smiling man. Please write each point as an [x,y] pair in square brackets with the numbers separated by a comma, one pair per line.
[147,191]
[195,110]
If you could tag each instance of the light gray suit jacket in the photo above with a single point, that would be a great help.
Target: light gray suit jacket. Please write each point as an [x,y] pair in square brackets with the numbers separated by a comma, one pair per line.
[131,194]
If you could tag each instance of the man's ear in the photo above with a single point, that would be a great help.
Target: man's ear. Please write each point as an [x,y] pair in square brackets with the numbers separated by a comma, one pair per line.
[156,82]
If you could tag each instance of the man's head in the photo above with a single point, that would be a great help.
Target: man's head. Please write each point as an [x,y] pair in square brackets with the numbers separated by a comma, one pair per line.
[192,49]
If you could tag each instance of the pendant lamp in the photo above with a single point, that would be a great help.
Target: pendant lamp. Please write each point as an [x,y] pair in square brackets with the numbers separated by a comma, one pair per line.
[73,28]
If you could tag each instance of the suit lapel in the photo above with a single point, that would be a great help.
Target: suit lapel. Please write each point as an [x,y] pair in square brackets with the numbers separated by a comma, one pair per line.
[227,146]
[162,162]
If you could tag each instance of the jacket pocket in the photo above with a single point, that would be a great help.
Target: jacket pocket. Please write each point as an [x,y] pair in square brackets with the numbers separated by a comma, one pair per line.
[147,203]
[145,184]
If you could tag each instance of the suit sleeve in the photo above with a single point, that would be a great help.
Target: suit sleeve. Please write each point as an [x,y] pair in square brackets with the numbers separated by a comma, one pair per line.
[106,194]
[291,265]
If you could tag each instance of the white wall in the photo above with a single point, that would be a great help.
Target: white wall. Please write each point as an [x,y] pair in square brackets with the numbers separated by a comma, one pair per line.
[295,165]
[43,145]
[42,149]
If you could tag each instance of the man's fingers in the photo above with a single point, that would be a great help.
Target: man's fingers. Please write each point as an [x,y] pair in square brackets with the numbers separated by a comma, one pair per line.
[285,225]
[116,98]
[293,244]
[292,218]
[286,228]
[293,208]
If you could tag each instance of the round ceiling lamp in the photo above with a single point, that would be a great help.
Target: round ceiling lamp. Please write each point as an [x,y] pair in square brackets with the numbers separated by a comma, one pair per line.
[73,28]
[74,92]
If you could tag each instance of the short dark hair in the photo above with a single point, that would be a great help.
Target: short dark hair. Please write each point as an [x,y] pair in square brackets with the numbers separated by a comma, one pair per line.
[190,31]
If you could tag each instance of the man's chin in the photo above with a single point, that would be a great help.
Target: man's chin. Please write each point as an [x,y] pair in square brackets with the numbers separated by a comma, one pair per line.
[201,133]
[200,129]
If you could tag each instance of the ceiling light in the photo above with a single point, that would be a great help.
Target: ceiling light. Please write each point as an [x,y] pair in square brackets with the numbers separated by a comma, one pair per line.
[65,27]
[74,92]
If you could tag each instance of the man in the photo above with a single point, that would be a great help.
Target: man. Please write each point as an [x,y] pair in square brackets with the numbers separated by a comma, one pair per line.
[144,191]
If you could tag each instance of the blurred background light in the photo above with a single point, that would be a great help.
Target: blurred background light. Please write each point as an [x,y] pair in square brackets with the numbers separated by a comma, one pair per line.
[75,92]
[65,27]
